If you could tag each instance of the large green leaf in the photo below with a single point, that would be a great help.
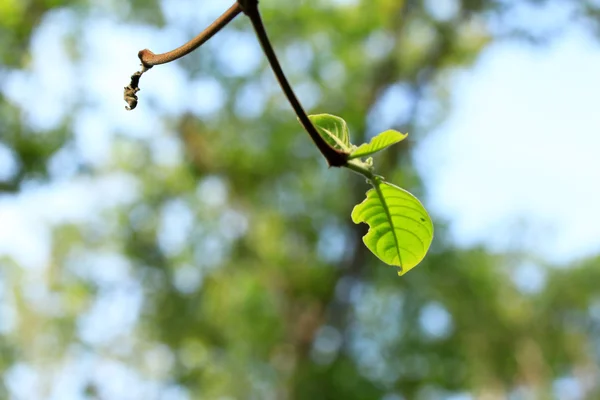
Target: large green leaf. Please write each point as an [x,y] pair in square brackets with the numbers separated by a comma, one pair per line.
[400,230]
[333,129]
[380,142]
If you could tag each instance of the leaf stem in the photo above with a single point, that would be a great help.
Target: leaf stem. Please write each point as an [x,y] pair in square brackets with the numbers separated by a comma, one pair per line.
[334,157]
[149,59]
[360,167]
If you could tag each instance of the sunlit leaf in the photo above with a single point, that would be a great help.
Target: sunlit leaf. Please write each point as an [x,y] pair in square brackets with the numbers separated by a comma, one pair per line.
[400,230]
[380,142]
[333,129]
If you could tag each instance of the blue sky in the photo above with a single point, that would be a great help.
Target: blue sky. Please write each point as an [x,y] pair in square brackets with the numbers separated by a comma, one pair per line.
[516,165]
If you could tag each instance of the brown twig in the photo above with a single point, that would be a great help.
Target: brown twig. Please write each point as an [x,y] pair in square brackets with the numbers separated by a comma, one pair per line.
[149,59]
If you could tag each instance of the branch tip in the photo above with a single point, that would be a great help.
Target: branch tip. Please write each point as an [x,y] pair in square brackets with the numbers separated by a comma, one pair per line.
[144,56]
[129,92]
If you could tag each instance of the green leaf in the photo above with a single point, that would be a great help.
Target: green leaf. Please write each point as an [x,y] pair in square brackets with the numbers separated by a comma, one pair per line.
[400,230]
[333,129]
[380,142]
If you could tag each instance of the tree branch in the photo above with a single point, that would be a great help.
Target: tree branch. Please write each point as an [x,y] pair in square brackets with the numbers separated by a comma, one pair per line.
[334,157]
[149,59]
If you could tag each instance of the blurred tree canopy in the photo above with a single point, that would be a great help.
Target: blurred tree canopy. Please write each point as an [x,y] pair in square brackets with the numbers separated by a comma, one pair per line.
[192,268]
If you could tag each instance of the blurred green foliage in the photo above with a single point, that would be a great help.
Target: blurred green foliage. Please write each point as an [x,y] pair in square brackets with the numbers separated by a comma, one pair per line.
[211,280]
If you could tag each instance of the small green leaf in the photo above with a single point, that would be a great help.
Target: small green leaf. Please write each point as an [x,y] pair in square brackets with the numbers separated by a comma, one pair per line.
[400,230]
[382,141]
[333,129]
